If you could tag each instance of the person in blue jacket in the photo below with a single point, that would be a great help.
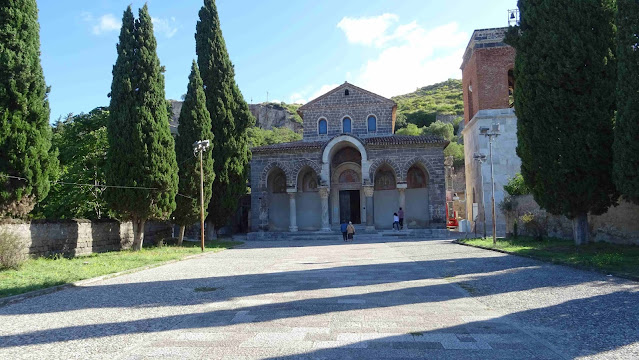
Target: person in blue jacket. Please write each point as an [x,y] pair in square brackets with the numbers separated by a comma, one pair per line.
[343,227]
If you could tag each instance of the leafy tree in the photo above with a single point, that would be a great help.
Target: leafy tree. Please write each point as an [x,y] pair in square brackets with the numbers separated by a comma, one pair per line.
[564,101]
[141,150]
[230,116]
[411,130]
[517,186]
[25,133]
[456,150]
[82,141]
[195,124]
[626,144]
[439,128]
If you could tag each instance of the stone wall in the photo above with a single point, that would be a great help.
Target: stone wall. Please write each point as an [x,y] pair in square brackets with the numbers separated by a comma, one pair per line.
[620,225]
[80,237]
[358,105]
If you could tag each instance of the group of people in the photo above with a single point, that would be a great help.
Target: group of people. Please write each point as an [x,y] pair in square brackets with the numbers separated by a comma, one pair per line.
[348,230]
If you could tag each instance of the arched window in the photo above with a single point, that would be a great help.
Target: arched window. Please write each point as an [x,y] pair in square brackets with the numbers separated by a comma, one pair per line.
[322,127]
[346,125]
[372,124]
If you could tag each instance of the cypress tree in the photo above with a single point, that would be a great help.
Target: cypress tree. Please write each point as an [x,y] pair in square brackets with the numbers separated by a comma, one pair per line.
[626,145]
[141,150]
[564,101]
[230,116]
[25,133]
[195,124]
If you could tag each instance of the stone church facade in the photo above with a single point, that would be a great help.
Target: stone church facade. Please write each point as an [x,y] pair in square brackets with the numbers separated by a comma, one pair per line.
[348,167]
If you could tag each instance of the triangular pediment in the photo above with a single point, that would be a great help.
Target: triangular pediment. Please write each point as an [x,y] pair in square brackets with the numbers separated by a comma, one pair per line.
[336,97]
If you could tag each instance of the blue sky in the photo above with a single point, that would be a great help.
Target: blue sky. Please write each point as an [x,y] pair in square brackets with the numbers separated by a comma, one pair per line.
[295,50]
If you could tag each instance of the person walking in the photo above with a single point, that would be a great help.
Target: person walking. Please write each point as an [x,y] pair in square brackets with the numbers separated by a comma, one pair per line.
[395,221]
[400,214]
[350,229]
[343,229]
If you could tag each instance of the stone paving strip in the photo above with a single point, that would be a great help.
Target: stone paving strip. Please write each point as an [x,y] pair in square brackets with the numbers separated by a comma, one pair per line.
[330,300]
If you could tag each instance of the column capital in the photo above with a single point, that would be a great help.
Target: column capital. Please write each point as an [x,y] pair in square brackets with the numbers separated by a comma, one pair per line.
[324,191]
[368,190]
[291,191]
[402,186]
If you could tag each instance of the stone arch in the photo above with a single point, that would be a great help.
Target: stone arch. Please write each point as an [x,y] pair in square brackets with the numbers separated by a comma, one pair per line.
[298,166]
[424,163]
[380,162]
[275,165]
[327,152]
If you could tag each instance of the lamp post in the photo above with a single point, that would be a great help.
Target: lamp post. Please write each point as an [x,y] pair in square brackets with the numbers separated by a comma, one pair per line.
[198,148]
[490,134]
[480,159]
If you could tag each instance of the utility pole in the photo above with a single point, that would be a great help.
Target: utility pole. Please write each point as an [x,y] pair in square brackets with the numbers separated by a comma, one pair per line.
[199,147]
[480,159]
[490,135]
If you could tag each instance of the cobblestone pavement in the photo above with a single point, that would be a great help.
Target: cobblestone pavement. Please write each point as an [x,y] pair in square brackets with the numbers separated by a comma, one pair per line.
[325,300]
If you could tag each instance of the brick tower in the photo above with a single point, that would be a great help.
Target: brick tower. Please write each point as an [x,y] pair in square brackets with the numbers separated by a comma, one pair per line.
[488,83]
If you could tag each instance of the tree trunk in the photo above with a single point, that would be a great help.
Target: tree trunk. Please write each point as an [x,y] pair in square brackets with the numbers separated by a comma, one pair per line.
[181,235]
[210,233]
[580,229]
[138,234]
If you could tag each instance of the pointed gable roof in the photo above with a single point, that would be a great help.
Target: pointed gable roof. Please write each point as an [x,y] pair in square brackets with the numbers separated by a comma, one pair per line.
[341,88]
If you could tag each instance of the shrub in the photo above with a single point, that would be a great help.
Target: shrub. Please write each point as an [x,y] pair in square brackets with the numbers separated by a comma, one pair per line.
[517,186]
[11,251]
[535,223]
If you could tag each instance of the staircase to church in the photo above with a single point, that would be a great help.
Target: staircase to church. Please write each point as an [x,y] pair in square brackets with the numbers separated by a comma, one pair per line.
[361,235]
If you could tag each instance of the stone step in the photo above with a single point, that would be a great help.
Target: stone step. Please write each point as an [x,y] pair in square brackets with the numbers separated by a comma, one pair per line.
[383,235]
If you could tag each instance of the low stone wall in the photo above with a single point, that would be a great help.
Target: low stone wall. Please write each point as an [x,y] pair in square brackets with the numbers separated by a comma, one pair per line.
[620,225]
[80,237]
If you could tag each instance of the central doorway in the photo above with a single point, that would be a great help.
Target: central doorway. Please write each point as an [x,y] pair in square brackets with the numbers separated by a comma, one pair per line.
[349,206]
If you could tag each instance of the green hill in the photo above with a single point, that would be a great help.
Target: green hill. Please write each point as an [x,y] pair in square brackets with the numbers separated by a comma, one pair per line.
[424,105]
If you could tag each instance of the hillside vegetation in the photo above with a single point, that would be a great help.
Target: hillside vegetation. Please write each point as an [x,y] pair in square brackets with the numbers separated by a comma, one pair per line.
[422,106]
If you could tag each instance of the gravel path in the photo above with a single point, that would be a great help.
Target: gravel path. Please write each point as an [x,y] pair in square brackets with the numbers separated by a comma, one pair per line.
[324,300]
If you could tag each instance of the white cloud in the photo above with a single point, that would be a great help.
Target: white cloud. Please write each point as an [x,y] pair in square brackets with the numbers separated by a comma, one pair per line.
[168,27]
[301,98]
[104,24]
[367,30]
[410,55]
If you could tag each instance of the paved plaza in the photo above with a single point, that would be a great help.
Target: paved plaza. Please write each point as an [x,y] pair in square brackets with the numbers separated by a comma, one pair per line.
[333,300]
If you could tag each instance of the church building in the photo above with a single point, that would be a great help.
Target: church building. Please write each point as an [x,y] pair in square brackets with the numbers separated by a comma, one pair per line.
[349,167]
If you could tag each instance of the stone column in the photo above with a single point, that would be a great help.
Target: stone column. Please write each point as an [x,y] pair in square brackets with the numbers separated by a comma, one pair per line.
[292,210]
[402,202]
[263,211]
[370,218]
[324,192]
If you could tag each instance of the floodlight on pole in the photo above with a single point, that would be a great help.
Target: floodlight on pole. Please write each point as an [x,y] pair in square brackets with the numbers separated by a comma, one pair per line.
[491,133]
[198,148]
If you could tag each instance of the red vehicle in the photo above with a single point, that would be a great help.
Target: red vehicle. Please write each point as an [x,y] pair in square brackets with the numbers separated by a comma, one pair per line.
[451,216]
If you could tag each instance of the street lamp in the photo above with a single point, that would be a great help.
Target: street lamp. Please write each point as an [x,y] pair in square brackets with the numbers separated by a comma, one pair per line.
[491,133]
[481,158]
[198,148]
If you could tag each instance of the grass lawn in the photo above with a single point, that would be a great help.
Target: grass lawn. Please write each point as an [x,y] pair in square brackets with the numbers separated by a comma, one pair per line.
[42,273]
[614,259]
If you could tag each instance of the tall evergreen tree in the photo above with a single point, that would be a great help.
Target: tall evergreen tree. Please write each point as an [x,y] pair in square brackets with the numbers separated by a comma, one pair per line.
[25,133]
[230,116]
[195,124]
[564,101]
[626,145]
[141,150]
